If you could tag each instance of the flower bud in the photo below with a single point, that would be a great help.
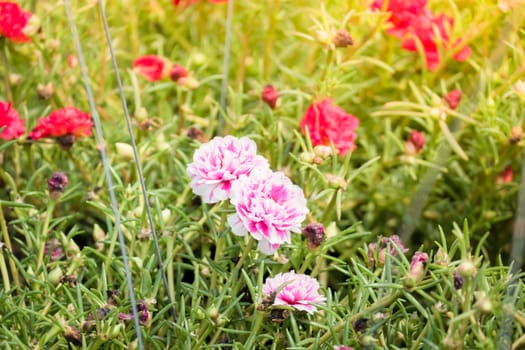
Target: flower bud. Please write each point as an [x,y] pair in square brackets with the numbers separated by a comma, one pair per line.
[314,234]
[178,72]
[270,96]
[56,185]
[197,134]
[453,98]
[516,134]
[45,91]
[125,151]
[72,335]
[342,39]
[416,270]
[415,142]
[467,269]
[519,86]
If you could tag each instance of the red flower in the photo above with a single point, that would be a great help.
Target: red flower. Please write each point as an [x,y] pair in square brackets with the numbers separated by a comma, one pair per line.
[453,98]
[13,20]
[417,25]
[68,121]
[11,123]
[327,123]
[152,67]
[402,13]
[270,96]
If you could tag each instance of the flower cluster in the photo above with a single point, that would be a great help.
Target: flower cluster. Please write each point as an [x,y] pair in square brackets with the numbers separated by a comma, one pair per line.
[13,22]
[268,205]
[298,291]
[12,125]
[327,123]
[68,122]
[155,68]
[419,27]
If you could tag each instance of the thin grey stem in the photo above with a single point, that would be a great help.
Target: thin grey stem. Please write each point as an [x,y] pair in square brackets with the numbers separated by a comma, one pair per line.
[137,160]
[107,172]
[225,67]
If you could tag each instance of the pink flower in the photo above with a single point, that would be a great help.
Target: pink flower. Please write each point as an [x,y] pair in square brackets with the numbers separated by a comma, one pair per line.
[68,121]
[11,123]
[343,347]
[269,206]
[415,142]
[270,96]
[220,162]
[13,21]
[178,72]
[328,123]
[295,290]
[152,67]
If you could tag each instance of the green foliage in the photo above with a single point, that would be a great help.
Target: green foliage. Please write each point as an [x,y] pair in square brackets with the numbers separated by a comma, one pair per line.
[467,297]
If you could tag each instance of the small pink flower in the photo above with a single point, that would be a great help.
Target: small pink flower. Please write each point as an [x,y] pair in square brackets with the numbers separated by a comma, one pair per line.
[416,270]
[295,290]
[13,126]
[270,96]
[269,206]
[343,347]
[327,123]
[220,162]
[152,67]
[415,142]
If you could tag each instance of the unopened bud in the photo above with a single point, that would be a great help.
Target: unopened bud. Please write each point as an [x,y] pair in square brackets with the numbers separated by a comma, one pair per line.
[45,91]
[56,185]
[516,134]
[197,134]
[453,98]
[314,234]
[467,269]
[270,96]
[342,39]
[178,72]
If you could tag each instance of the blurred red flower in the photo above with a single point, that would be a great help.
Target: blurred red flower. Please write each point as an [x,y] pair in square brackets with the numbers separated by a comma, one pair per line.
[402,13]
[152,67]
[13,20]
[68,121]
[327,123]
[419,27]
[11,123]
[189,2]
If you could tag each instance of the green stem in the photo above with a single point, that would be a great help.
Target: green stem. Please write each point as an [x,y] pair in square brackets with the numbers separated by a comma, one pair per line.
[42,237]
[3,271]
[5,63]
[7,240]
[330,207]
[381,303]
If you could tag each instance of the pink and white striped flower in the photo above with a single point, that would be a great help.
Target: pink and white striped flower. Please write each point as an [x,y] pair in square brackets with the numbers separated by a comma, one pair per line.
[296,290]
[269,206]
[219,163]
